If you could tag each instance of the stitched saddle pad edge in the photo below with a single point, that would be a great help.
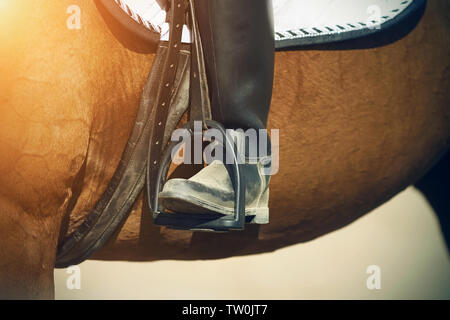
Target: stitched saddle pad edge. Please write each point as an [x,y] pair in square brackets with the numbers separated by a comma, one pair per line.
[331,34]
[149,29]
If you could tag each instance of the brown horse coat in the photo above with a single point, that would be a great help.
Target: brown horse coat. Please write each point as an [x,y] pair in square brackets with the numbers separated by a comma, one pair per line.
[356,127]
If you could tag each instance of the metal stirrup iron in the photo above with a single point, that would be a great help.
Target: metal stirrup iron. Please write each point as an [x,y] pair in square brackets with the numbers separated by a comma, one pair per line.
[200,110]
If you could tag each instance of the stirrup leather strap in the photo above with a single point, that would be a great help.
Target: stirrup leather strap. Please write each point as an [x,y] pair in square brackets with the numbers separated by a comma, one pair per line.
[180,12]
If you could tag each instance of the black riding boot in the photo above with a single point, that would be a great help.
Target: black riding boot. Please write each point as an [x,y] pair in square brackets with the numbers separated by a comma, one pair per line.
[238,42]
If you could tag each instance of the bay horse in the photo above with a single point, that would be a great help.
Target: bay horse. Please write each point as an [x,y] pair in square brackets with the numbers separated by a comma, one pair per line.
[357,126]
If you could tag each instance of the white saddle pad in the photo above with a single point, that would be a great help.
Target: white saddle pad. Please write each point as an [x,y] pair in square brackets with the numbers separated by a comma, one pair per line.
[301,22]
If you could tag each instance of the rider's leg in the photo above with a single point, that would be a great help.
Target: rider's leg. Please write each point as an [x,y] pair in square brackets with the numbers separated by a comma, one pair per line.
[238,42]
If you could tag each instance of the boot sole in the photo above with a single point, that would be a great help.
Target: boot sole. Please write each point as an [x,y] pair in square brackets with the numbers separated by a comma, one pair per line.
[193,205]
